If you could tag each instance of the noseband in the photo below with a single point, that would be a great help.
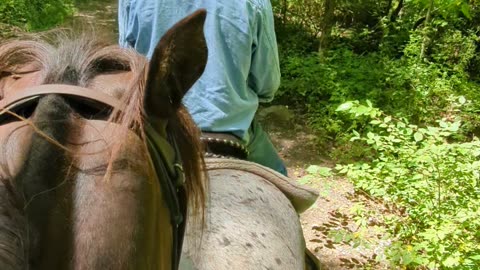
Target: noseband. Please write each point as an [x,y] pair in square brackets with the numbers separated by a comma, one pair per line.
[164,152]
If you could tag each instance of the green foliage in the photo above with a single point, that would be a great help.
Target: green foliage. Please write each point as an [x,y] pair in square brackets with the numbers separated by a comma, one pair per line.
[405,87]
[46,14]
[314,172]
[13,12]
[34,15]
[417,61]
[304,13]
[321,85]
[431,181]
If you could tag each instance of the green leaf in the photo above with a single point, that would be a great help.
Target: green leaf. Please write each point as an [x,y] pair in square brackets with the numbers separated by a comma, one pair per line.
[451,261]
[343,170]
[318,170]
[362,110]
[418,136]
[462,100]
[305,180]
[338,238]
[417,176]
[406,258]
[455,127]
[387,119]
[466,10]
[443,124]
[345,106]
[475,258]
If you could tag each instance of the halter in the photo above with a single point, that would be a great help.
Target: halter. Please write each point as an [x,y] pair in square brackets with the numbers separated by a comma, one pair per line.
[164,152]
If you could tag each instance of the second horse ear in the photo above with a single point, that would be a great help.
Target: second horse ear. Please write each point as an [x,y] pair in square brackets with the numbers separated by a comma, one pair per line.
[178,61]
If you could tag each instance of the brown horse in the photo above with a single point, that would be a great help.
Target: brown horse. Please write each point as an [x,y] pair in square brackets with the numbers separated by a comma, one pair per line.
[79,188]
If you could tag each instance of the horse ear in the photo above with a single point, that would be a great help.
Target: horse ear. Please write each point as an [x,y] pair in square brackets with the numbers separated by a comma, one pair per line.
[177,62]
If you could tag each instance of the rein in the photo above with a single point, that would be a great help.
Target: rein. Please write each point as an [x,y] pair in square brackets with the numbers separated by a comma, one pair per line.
[164,152]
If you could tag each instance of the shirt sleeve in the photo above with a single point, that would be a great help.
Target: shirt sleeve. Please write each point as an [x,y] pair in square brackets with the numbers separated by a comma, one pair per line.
[264,77]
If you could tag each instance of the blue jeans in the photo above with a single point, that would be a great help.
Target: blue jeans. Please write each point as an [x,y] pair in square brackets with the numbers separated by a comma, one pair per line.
[262,150]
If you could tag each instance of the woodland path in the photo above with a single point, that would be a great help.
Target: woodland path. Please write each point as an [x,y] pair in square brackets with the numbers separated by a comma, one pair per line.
[297,146]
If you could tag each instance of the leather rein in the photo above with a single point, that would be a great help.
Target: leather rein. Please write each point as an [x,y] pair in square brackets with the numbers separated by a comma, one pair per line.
[164,152]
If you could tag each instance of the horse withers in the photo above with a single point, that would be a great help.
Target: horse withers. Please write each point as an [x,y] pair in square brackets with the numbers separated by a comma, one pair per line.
[79,188]
[251,221]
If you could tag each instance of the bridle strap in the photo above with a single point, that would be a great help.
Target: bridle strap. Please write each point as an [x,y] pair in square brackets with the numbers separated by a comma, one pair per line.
[59,89]
[164,152]
[174,191]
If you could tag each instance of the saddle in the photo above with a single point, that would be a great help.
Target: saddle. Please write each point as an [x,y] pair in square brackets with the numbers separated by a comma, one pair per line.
[223,145]
[225,151]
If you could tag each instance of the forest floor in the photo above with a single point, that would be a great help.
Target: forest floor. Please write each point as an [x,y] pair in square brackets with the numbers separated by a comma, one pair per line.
[299,148]
[332,212]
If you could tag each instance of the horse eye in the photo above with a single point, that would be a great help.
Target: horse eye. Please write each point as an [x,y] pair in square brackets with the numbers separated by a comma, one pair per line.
[16,76]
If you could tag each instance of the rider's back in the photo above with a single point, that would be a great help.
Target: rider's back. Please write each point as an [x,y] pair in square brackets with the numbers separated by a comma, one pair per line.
[242,68]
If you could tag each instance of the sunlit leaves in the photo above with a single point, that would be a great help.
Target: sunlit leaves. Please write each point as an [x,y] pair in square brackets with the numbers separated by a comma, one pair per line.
[345,106]
[418,136]
[435,180]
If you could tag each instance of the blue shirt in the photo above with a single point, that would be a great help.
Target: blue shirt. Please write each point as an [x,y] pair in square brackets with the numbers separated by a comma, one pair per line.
[242,68]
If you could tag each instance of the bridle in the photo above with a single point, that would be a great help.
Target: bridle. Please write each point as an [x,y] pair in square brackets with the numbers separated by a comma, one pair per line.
[164,152]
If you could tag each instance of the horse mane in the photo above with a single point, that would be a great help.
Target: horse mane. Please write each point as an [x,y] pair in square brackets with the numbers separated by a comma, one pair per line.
[68,58]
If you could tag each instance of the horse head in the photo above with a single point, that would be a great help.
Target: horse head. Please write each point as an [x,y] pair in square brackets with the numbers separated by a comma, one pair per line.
[92,139]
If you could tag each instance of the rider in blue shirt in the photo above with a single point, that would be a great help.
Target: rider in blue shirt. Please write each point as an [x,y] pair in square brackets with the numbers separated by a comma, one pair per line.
[242,68]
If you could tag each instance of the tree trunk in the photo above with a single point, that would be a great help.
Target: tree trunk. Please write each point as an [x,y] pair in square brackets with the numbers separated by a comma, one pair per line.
[327,24]
[284,12]
[387,9]
[426,27]
[397,10]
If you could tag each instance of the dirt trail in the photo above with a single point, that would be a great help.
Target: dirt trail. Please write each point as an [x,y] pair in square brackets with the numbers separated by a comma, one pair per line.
[97,16]
[298,147]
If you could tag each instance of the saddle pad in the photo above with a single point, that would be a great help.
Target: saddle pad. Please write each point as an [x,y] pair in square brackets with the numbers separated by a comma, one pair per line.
[301,197]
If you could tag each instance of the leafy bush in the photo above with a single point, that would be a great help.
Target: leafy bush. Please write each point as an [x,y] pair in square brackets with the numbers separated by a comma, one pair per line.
[383,51]
[432,182]
[417,61]
[321,85]
[13,12]
[406,87]
[34,15]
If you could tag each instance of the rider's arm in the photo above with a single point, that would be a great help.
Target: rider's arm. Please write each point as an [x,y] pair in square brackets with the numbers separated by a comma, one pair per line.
[264,77]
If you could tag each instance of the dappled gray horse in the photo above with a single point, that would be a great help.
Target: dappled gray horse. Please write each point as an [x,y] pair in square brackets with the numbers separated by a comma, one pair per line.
[251,221]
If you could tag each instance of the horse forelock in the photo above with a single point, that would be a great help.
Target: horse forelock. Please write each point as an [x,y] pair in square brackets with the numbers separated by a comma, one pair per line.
[62,57]
[68,58]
